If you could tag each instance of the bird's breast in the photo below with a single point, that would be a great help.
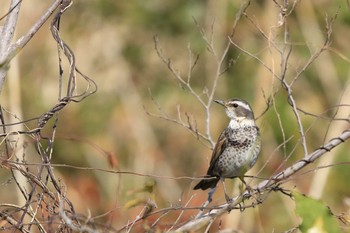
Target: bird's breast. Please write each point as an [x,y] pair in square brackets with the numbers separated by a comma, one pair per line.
[241,152]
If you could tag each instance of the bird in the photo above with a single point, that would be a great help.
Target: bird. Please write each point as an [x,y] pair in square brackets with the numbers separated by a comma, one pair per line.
[237,148]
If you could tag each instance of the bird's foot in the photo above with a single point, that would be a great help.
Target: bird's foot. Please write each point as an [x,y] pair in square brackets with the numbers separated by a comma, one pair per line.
[228,199]
[229,202]
[248,188]
[201,210]
[248,192]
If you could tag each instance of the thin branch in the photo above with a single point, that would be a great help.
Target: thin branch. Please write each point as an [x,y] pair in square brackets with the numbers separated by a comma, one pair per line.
[13,49]
[255,57]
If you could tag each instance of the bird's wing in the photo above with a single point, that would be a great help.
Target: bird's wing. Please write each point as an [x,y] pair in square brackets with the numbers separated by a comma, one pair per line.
[220,146]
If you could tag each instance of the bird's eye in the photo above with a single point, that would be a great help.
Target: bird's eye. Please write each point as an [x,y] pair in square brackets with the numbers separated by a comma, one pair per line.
[235,105]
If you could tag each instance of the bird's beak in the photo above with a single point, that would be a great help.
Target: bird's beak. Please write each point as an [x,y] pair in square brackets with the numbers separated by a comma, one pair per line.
[221,102]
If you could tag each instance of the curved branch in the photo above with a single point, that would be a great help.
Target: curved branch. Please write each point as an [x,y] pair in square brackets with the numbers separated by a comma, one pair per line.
[265,185]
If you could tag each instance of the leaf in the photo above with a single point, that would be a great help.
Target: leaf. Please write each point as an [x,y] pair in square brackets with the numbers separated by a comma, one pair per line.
[315,215]
[134,202]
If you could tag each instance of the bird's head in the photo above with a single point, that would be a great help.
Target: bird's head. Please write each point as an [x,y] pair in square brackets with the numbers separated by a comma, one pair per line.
[237,109]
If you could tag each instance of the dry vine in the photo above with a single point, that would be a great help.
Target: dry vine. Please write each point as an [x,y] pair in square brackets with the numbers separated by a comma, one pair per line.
[56,210]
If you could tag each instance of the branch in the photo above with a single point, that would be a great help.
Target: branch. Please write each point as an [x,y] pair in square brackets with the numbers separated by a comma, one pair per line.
[266,185]
[8,30]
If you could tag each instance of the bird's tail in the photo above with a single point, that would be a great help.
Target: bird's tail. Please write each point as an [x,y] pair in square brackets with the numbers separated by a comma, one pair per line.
[207,183]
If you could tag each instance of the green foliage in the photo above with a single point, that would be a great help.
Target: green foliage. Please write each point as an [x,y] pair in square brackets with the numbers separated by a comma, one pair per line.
[315,215]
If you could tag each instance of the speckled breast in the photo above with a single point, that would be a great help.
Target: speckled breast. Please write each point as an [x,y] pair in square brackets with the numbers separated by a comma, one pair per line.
[241,152]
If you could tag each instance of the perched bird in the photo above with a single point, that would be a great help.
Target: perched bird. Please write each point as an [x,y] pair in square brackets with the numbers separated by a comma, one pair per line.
[237,148]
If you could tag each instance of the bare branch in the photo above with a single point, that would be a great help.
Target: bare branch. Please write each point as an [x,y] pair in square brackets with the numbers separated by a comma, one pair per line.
[265,185]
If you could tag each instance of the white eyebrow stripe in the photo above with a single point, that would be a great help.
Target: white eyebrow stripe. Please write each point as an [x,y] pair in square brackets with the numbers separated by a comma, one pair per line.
[244,105]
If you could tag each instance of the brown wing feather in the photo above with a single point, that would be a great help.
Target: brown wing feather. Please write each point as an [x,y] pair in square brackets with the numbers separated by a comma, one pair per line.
[218,149]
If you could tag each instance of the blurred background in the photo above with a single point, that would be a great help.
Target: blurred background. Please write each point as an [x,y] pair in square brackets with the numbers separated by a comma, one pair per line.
[111,130]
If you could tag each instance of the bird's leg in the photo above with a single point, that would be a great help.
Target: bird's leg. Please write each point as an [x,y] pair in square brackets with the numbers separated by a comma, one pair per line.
[210,194]
[246,185]
[249,189]
[228,199]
